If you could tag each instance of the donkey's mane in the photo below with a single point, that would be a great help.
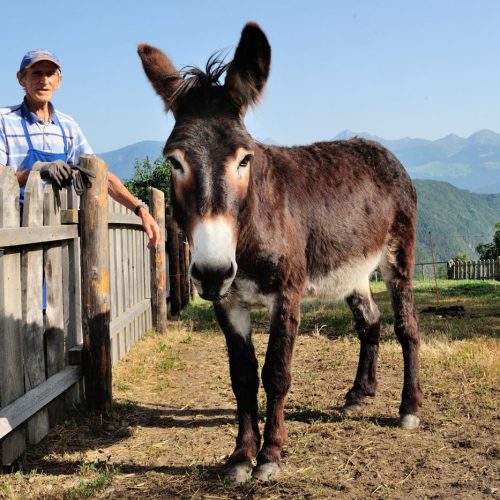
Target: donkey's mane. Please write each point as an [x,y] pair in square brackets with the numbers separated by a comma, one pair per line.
[193,76]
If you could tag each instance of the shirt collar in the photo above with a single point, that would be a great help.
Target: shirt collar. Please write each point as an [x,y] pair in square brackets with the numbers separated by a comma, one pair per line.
[32,117]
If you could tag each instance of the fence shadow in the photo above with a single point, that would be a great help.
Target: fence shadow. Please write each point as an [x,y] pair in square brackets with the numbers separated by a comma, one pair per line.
[81,431]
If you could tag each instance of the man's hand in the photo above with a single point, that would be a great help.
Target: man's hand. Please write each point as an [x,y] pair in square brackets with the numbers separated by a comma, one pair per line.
[151,227]
[81,180]
[58,172]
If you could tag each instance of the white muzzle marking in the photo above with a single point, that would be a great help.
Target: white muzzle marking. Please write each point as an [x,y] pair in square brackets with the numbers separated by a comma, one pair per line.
[214,247]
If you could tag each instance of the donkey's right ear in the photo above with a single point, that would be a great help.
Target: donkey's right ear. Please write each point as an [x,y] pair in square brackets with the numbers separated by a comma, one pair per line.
[161,73]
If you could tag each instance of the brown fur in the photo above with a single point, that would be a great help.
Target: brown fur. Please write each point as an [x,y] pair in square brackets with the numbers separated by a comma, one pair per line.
[302,213]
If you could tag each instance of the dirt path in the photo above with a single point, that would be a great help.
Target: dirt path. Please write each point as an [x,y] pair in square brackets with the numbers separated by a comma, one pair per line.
[173,425]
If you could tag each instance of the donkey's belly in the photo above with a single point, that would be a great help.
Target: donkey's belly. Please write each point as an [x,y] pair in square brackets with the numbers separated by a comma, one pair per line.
[342,280]
[249,295]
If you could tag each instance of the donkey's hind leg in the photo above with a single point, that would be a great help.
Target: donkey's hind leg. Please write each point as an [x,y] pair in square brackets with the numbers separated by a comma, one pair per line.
[397,269]
[367,323]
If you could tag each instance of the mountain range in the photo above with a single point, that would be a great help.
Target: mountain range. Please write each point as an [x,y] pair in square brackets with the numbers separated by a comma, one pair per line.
[455,177]
[471,163]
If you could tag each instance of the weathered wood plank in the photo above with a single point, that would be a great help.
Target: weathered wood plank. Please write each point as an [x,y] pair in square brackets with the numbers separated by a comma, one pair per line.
[27,405]
[54,313]
[112,273]
[124,341]
[132,281]
[27,236]
[95,288]
[65,276]
[32,279]
[74,292]
[129,219]
[69,216]
[11,363]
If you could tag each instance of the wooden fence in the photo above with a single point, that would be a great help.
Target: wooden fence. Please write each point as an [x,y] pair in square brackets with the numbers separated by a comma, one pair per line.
[474,270]
[41,352]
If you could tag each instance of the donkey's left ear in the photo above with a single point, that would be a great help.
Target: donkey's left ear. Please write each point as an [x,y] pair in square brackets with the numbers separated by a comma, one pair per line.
[248,71]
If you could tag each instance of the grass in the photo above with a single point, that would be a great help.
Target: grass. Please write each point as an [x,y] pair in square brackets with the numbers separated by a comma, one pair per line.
[93,478]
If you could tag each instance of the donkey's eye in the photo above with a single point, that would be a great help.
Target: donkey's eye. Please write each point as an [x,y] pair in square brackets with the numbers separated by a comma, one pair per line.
[176,165]
[245,161]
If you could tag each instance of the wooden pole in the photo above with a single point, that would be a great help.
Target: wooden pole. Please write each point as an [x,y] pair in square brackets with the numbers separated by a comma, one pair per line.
[183,273]
[158,263]
[95,288]
[434,267]
[174,267]
[186,271]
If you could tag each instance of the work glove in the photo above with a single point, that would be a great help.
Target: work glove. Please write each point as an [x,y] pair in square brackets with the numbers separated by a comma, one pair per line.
[58,172]
[81,180]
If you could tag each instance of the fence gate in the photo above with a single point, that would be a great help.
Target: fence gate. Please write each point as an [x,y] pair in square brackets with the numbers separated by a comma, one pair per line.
[41,352]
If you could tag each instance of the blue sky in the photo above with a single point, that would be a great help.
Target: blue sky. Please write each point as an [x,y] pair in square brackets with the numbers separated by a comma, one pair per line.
[391,68]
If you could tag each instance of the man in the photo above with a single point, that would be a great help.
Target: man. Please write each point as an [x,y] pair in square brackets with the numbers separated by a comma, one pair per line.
[35,135]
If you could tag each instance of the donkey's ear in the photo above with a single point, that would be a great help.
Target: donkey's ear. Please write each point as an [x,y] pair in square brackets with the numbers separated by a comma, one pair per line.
[161,73]
[248,71]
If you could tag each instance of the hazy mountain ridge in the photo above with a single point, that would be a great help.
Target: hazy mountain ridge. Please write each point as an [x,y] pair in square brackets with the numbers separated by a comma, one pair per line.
[458,219]
[471,163]
[121,161]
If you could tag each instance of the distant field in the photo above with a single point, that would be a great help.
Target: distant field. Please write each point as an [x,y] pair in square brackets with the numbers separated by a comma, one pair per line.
[173,422]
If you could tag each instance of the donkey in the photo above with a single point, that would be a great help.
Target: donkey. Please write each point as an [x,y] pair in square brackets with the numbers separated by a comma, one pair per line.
[263,221]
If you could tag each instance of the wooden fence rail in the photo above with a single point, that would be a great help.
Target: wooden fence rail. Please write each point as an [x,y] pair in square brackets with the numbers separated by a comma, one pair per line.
[41,351]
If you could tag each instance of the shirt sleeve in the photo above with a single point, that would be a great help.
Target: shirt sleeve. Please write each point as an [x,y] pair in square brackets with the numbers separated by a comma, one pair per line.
[3,143]
[80,145]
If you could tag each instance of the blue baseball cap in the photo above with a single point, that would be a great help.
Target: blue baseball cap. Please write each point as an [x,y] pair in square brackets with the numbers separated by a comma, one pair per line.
[34,56]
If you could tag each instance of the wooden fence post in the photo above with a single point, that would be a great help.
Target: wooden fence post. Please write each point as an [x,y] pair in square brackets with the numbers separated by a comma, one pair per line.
[158,264]
[183,272]
[186,271]
[95,288]
[174,267]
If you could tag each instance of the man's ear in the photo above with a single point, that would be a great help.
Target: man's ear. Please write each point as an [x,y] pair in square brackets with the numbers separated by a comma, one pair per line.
[20,78]
[57,86]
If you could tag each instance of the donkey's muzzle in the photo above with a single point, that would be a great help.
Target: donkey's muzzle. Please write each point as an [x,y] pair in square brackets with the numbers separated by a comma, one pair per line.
[213,283]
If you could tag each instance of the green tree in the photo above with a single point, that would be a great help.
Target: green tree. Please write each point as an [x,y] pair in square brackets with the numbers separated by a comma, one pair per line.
[490,250]
[462,257]
[150,174]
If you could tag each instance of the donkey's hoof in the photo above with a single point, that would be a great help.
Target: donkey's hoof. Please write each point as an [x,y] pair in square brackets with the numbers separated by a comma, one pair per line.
[350,408]
[239,473]
[409,422]
[266,472]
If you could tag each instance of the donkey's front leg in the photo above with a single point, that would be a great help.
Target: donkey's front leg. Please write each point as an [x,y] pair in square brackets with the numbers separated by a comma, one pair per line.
[276,378]
[235,323]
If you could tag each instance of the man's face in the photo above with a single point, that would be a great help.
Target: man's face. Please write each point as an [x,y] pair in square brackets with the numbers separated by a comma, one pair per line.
[40,81]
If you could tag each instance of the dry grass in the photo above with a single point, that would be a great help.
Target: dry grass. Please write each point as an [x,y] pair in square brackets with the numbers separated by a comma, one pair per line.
[173,421]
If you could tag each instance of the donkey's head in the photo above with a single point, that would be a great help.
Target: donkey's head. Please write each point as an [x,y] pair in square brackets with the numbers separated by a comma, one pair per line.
[210,151]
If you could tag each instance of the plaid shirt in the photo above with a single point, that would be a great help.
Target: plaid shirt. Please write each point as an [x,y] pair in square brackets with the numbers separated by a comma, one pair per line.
[45,137]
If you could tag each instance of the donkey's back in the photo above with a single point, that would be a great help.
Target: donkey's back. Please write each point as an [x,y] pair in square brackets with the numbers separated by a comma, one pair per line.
[349,202]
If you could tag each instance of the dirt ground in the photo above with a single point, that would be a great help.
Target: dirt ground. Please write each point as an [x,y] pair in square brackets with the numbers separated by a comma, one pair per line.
[173,422]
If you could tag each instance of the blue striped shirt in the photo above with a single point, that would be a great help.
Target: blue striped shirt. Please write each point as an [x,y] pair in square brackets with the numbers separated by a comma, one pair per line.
[45,137]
